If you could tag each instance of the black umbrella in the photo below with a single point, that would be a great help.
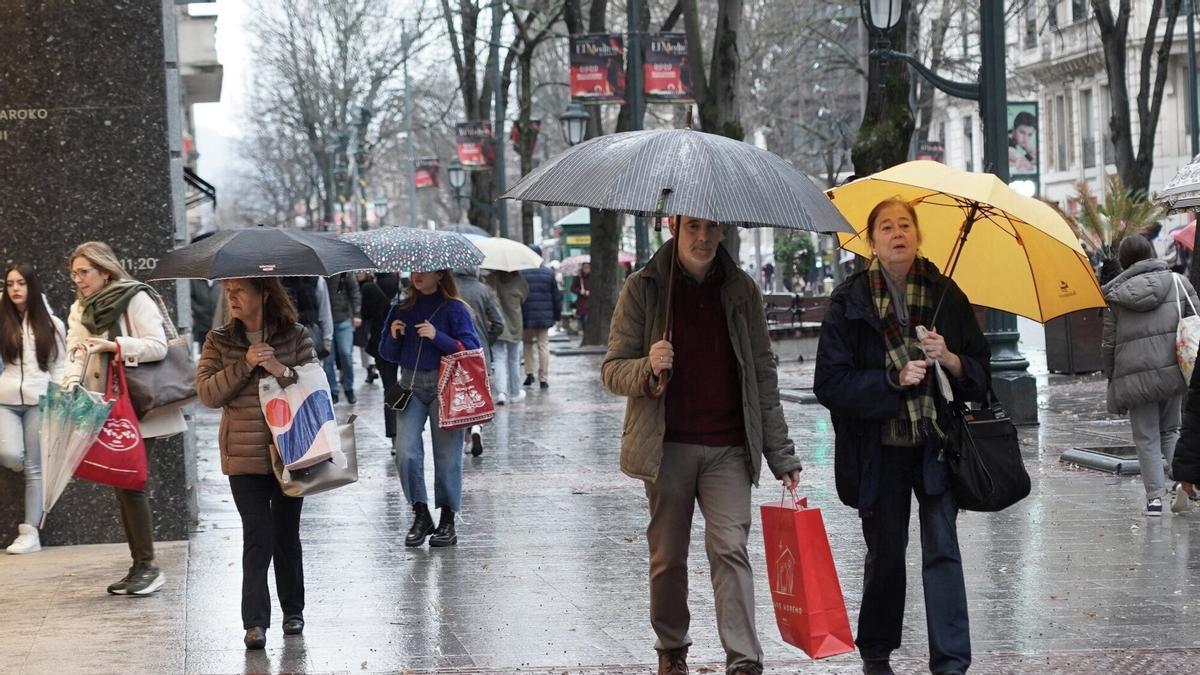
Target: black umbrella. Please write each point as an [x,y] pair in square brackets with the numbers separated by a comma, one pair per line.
[464,228]
[262,252]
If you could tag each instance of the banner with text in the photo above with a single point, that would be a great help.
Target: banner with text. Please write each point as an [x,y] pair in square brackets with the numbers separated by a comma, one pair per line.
[476,146]
[666,75]
[427,173]
[598,68]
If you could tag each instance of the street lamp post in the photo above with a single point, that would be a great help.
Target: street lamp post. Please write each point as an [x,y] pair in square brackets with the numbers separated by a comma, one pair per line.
[381,209]
[1011,381]
[457,177]
[574,124]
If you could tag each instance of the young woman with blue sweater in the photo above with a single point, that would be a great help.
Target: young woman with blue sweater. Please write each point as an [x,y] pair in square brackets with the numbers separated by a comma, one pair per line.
[429,322]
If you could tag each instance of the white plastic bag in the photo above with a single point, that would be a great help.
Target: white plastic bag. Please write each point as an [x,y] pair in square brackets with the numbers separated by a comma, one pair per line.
[301,417]
[1187,334]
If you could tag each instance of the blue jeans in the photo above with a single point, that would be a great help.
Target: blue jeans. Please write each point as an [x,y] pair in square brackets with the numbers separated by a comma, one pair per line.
[886,531]
[508,367]
[343,353]
[410,450]
[20,450]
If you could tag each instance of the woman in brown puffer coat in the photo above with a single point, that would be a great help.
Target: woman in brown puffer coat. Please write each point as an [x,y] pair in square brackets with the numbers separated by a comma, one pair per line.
[262,339]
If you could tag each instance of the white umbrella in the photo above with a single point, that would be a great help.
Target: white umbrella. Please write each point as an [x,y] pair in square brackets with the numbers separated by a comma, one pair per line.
[1182,193]
[505,255]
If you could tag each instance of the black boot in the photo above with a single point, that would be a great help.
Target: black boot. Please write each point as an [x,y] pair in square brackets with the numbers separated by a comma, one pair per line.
[444,534]
[421,527]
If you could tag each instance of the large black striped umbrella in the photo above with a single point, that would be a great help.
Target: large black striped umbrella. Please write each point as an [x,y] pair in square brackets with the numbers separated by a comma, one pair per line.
[682,172]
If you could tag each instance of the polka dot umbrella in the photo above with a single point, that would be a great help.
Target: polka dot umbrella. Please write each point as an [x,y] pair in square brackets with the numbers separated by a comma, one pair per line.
[409,249]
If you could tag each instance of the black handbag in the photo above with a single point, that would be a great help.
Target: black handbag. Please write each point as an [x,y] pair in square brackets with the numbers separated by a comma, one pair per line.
[987,472]
[397,397]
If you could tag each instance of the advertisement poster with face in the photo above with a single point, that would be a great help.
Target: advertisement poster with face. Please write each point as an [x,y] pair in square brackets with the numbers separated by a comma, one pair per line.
[1023,140]
[666,72]
[598,68]
[475,144]
[427,173]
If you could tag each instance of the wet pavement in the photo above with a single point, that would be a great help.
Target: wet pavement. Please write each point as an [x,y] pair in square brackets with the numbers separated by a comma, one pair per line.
[549,575]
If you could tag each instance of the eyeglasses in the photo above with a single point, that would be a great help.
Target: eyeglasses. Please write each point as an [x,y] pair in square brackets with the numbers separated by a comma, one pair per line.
[81,272]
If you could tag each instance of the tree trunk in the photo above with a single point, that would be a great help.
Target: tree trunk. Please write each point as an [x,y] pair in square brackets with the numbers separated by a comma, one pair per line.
[887,124]
[526,143]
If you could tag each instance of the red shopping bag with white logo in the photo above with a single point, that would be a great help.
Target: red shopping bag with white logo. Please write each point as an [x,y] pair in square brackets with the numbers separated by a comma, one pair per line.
[805,590]
[464,396]
[118,457]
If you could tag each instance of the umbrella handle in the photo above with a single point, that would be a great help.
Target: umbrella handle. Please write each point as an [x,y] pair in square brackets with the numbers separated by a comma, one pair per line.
[656,390]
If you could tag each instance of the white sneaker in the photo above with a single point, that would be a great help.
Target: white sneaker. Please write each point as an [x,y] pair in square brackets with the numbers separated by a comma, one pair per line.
[27,540]
[1179,503]
[520,396]
[501,399]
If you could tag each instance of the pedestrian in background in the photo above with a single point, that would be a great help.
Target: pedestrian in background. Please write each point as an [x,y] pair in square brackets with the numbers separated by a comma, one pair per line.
[345,307]
[310,297]
[378,293]
[511,289]
[1144,380]
[581,286]
[110,310]
[541,310]
[876,378]
[705,440]
[262,339]
[33,348]
[430,321]
[489,324]
[204,294]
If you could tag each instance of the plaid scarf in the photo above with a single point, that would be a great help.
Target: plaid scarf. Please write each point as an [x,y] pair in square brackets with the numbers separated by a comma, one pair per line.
[919,417]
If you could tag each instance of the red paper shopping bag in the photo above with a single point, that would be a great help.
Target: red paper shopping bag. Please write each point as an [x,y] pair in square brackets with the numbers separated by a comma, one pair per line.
[118,457]
[464,397]
[805,590]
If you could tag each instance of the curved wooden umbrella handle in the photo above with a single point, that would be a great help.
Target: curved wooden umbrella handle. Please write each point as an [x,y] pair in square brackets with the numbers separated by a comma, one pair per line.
[654,390]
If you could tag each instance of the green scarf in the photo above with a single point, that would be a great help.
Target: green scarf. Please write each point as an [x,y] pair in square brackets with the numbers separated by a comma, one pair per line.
[103,309]
[918,419]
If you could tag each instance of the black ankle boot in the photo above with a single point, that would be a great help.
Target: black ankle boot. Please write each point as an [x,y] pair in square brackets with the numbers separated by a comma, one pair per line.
[444,535]
[421,527]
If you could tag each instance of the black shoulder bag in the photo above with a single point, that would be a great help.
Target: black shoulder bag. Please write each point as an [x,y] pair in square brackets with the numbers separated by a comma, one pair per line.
[987,472]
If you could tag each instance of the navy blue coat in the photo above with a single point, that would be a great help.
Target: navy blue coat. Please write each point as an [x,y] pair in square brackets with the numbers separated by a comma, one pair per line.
[851,382]
[542,307]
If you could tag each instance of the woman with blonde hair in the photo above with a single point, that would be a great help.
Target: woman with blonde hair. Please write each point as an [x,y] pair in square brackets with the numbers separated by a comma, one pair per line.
[430,321]
[112,311]
[261,339]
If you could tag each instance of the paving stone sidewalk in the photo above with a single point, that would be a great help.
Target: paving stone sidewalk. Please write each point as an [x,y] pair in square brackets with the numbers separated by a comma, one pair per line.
[550,572]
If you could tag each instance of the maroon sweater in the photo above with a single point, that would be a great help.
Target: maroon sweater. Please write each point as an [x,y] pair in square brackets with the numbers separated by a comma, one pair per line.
[704,399]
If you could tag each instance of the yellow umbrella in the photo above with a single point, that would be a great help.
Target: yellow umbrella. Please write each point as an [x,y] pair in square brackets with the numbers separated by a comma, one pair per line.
[1021,256]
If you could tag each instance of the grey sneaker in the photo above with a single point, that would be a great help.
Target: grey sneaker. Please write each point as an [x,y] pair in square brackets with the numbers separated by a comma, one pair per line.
[145,581]
[122,587]
[1154,507]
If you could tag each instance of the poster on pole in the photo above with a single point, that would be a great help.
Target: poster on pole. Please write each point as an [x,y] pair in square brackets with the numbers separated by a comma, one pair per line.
[934,151]
[1023,141]
[598,68]
[666,72]
[427,174]
[476,145]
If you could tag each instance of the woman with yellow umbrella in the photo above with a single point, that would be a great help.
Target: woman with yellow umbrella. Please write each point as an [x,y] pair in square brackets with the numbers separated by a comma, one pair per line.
[891,334]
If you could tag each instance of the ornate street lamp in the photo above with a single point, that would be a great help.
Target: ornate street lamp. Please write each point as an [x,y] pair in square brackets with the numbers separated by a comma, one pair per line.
[456,175]
[881,16]
[381,208]
[574,124]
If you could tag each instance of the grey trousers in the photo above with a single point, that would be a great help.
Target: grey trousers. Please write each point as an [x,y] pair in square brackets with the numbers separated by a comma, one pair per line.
[719,479]
[1155,430]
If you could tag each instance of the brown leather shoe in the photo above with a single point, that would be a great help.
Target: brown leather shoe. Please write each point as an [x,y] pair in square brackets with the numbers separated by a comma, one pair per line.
[673,661]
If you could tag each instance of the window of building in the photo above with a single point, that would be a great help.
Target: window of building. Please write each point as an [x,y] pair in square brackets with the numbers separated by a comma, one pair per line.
[1030,26]
[968,143]
[1052,13]
[1110,151]
[1079,10]
[1087,126]
[1060,133]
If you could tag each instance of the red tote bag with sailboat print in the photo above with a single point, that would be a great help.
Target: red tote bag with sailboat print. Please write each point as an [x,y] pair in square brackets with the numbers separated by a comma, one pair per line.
[118,457]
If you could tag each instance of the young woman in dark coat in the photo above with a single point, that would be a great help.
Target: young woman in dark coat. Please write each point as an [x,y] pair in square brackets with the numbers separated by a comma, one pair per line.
[878,382]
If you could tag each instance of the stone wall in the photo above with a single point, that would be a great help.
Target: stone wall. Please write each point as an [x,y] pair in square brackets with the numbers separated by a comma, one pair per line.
[89,149]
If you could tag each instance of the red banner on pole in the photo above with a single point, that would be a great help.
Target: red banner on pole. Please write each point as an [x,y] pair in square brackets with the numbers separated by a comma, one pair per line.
[476,145]
[427,173]
[598,68]
[665,73]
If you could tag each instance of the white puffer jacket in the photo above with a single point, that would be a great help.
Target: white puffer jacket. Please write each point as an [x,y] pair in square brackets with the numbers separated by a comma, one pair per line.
[23,382]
